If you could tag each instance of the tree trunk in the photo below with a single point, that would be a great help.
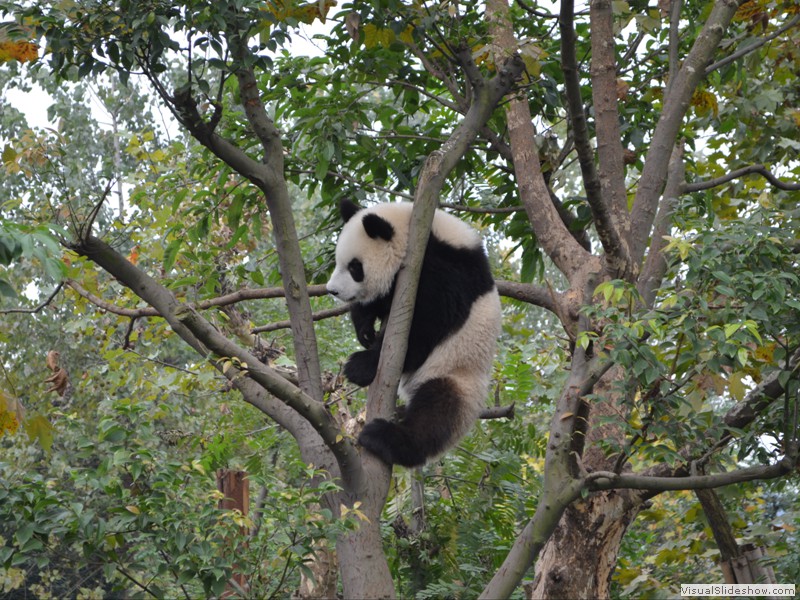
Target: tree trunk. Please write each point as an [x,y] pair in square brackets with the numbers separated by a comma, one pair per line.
[324,573]
[579,559]
[367,574]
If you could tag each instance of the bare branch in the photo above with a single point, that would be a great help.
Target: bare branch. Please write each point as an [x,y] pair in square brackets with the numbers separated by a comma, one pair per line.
[317,316]
[500,210]
[36,309]
[793,22]
[536,13]
[441,76]
[423,92]
[674,40]
[498,412]
[227,299]
[698,186]
[608,480]
[276,194]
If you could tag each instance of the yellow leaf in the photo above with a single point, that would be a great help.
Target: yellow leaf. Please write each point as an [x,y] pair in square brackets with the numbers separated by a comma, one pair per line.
[705,102]
[134,509]
[8,421]
[39,428]
[373,36]
[765,353]
[407,35]
[735,386]
[307,13]
[21,51]
[370,35]
[531,56]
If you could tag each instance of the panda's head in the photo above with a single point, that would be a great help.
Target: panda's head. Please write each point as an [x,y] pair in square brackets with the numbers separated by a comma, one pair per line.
[370,250]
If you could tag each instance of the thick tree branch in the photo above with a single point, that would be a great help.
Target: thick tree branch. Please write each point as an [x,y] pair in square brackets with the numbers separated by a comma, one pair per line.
[532,294]
[557,242]
[656,264]
[611,205]
[608,480]
[279,204]
[487,94]
[373,486]
[759,398]
[212,345]
[562,483]
[576,111]
[676,103]
[698,186]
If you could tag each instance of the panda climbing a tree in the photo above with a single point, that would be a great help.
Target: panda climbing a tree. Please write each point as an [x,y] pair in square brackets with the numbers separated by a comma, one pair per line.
[451,343]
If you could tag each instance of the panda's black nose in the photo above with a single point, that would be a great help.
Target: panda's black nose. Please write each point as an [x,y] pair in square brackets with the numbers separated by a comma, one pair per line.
[332,291]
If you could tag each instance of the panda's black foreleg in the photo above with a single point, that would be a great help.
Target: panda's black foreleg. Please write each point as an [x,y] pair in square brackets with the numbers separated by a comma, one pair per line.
[364,323]
[427,428]
[362,366]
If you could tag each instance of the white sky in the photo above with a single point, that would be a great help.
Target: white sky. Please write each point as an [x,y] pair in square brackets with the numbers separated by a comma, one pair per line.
[34,104]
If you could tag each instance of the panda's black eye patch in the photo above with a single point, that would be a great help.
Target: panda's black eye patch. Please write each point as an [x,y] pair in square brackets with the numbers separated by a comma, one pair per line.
[356,270]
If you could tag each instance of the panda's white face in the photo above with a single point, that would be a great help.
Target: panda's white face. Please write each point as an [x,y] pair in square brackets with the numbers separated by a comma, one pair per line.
[369,253]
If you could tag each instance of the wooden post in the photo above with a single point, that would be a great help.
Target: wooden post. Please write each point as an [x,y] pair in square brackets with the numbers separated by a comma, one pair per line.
[235,486]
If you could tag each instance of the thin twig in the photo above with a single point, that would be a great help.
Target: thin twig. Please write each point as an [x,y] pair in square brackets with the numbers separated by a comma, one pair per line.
[36,309]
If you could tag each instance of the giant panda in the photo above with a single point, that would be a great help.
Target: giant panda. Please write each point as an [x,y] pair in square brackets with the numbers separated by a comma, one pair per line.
[451,344]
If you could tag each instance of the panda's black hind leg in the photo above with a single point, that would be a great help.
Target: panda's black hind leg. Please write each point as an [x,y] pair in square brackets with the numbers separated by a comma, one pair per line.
[427,429]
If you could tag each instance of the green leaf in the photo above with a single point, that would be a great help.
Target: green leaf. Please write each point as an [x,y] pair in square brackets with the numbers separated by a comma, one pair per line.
[6,289]
[171,253]
[24,533]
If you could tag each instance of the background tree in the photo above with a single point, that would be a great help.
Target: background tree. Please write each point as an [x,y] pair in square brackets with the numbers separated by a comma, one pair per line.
[609,156]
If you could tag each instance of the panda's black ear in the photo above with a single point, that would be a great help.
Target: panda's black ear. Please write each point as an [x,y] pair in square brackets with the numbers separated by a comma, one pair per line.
[377,227]
[347,208]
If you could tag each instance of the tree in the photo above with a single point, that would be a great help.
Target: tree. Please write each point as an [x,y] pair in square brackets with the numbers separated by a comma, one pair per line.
[669,267]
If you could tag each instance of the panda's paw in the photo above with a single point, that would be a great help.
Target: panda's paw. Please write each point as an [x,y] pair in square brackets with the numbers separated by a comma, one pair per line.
[392,443]
[361,367]
[375,438]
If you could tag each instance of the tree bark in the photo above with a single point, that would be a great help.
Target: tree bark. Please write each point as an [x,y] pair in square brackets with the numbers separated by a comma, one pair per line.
[579,559]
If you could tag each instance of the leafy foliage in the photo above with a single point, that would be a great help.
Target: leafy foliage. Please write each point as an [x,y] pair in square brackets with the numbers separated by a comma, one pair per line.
[118,472]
